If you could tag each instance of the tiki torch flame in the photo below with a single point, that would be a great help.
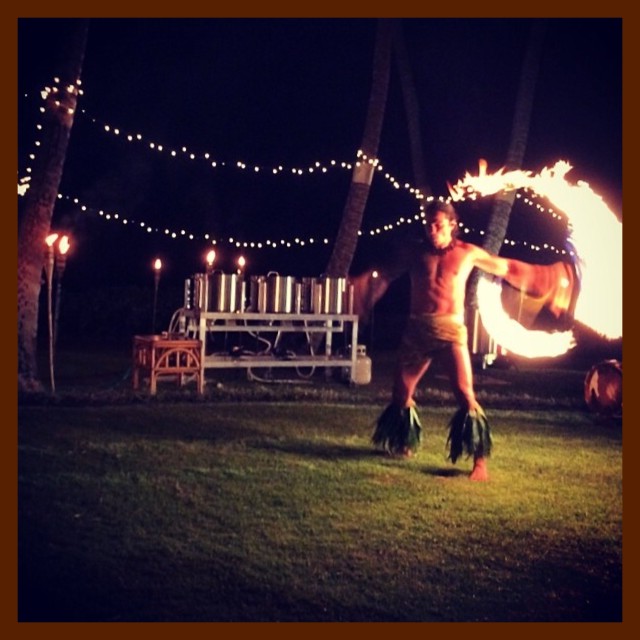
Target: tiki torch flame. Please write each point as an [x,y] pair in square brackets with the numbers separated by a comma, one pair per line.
[63,245]
[210,257]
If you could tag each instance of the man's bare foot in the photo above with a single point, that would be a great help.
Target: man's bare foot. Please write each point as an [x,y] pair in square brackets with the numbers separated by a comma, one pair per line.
[479,472]
[402,453]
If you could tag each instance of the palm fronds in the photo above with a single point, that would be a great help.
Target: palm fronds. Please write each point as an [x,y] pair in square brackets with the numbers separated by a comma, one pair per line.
[469,433]
[398,430]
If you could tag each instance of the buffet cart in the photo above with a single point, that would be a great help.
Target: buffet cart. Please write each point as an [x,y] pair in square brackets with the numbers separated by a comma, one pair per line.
[260,342]
[263,323]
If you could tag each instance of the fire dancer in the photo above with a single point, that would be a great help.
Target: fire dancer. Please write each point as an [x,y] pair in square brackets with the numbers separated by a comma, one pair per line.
[439,270]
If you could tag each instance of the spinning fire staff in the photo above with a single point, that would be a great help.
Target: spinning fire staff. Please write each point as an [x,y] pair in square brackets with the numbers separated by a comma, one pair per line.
[439,269]
[596,239]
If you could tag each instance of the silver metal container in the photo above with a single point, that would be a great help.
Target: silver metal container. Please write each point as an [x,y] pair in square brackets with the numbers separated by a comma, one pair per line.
[306,288]
[188,294]
[297,304]
[332,295]
[200,292]
[257,294]
[280,293]
[224,292]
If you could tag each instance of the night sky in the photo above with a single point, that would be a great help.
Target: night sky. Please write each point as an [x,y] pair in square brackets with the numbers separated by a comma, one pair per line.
[292,92]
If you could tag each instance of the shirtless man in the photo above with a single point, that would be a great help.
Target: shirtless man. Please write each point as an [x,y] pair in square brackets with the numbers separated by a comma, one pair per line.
[439,270]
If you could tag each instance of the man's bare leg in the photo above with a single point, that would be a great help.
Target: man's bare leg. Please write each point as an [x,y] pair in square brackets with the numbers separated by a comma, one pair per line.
[406,380]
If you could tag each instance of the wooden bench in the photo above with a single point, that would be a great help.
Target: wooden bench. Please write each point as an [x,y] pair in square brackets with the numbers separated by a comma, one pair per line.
[156,356]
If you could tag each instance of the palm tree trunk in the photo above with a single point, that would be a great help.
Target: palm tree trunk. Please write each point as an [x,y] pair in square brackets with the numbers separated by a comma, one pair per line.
[59,110]
[346,240]
[412,110]
[503,202]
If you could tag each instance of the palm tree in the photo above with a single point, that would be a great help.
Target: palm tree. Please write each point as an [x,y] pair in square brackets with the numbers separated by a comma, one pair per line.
[412,110]
[347,238]
[34,225]
[503,202]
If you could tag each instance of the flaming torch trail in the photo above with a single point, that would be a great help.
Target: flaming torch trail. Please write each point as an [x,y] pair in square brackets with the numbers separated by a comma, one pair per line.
[596,235]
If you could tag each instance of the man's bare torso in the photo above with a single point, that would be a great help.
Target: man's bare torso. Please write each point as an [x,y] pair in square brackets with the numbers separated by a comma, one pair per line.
[438,281]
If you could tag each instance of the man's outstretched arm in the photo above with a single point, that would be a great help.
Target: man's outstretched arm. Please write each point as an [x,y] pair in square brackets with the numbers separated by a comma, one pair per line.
[557,283]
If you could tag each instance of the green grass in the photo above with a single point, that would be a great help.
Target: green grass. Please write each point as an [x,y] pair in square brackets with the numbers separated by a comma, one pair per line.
[207,510]
[101,377]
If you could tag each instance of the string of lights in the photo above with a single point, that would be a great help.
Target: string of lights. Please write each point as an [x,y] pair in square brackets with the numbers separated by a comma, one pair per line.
[53,92]
[297,241]
[206,156]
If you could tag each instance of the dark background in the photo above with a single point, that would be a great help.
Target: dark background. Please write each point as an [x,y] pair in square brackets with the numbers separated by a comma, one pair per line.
[292,92]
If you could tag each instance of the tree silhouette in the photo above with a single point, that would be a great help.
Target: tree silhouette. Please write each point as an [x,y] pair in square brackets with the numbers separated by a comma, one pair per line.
[35,221]
[503,202]
[347,237]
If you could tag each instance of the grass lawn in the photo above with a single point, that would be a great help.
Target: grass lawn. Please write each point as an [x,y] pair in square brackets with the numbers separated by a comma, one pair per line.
[180,508]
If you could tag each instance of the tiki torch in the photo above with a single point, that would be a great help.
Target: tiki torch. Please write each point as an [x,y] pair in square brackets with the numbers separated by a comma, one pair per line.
[241,263]
[48,270]
[211,256]
[374,276]
[61,263]
[157,266]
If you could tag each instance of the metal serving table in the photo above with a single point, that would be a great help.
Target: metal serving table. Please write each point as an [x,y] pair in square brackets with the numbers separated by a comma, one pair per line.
[254,340]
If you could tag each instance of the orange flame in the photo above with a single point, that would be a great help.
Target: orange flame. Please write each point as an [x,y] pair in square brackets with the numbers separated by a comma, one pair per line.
[50,239]
[596,236]
[64,245]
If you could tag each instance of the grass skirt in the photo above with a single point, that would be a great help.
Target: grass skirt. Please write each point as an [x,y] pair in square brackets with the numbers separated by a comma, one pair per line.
[469,433]
[398,430]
